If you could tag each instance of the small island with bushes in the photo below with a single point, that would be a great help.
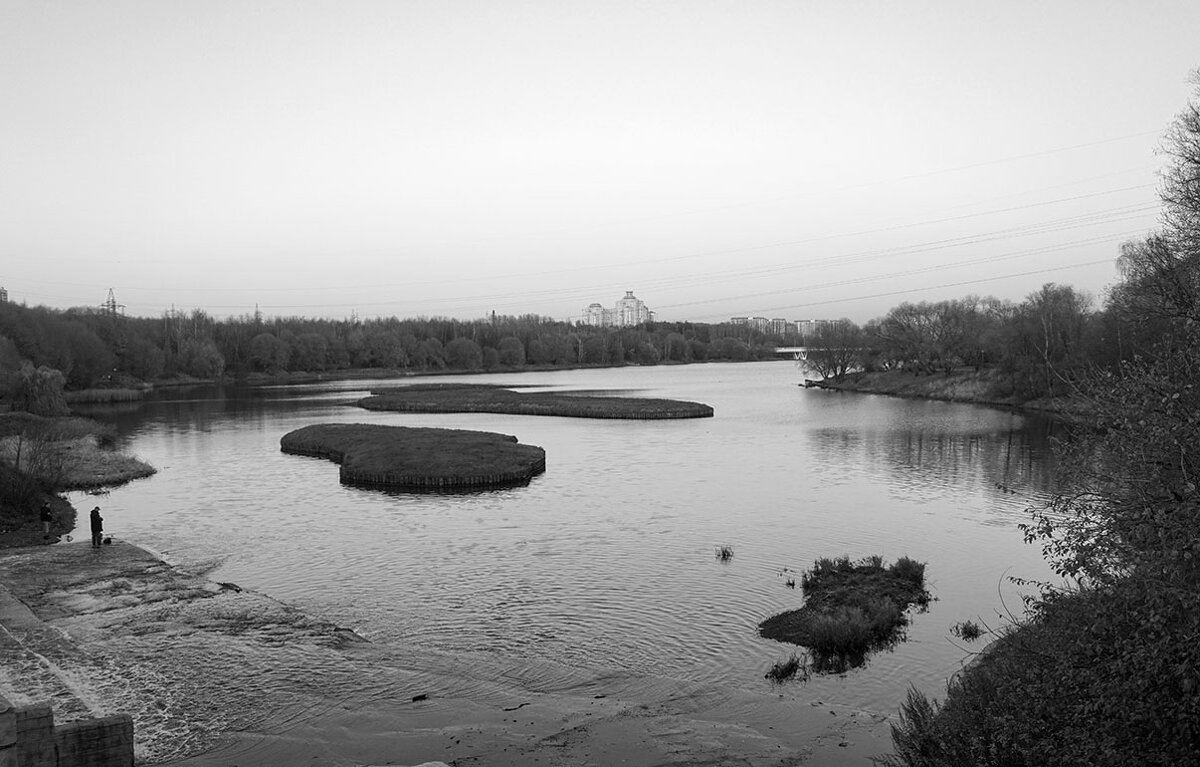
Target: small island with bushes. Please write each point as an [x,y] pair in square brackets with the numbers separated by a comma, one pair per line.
[850,609]
[481,398]
[421,459]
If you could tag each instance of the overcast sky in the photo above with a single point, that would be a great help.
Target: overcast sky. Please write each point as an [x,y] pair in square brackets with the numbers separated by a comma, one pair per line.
[785,159]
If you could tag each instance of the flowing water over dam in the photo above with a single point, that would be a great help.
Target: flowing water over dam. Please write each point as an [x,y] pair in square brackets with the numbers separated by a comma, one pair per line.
[599,578]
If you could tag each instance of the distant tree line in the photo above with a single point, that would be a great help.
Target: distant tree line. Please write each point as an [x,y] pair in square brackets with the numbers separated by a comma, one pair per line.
[1041,345]
[93,348]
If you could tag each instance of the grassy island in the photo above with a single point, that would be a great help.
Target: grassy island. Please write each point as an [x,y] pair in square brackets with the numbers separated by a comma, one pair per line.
[427,459]
[478,398]
[67,453]
[850,609]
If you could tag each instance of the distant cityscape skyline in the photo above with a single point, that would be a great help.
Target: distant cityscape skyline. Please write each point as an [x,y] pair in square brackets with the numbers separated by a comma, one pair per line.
[627,312]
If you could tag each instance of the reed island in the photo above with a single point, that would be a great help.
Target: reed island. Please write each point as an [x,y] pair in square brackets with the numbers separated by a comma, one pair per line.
[481,398]
[421,459]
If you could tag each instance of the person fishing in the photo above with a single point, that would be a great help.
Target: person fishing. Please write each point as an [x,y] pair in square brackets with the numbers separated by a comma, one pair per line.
[97,527]
[47,519]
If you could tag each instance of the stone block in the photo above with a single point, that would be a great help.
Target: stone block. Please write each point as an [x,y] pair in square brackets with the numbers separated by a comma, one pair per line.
[35,737]
[8,733]
[105,742]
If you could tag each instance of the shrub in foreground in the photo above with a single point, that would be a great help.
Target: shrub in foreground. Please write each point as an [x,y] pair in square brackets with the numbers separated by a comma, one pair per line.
[1063,689]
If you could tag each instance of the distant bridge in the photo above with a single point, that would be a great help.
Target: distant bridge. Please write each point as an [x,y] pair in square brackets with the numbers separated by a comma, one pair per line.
[795,352]
[801,352]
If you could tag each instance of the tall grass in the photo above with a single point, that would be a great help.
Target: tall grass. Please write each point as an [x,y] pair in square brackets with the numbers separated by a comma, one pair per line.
[968,631]
[783,670]
[31,426]
[104,396]
[852,628]
[910,570]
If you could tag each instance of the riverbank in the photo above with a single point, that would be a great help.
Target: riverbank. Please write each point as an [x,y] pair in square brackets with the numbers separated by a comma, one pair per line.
[1063,688]
[213,675]
[21,500]
[61,454]
[967,385]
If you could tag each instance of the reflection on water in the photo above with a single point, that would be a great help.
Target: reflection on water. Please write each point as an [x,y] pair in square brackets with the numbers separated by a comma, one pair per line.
[600,572]
[930,447]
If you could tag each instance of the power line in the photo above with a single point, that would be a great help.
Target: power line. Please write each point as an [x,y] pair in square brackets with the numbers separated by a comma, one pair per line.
[1111,215]
[671,259]
[932,287]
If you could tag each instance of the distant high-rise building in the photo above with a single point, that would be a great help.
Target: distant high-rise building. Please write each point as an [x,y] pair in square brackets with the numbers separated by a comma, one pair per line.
[630,310]
[3,296]
[596,314]
[808,328]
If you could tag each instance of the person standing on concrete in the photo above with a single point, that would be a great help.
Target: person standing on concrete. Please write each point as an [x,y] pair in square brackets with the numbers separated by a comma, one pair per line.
[47,518]
[97,527]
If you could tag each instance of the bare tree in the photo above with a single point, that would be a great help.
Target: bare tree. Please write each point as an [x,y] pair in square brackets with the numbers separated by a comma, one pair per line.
[836,349]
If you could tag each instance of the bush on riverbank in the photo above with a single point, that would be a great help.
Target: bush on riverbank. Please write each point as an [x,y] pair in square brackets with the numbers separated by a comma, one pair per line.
[1065,689]
[21,498]
[475,398]
[1106,672]
[418,458]
[850,609]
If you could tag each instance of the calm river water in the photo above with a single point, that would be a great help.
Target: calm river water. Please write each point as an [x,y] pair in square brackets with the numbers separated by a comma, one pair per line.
[604,568]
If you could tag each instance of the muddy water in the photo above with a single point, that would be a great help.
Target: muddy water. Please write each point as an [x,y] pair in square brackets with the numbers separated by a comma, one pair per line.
[599,578]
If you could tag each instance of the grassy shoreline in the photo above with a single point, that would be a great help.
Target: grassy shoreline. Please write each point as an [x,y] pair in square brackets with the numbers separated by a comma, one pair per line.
[966,385]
